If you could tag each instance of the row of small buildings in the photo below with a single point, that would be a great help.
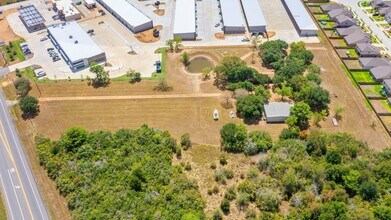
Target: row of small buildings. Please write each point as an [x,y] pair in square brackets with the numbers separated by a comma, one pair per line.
[370,57]
[384,8]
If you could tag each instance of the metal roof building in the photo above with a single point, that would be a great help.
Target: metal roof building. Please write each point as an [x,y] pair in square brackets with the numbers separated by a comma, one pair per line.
[254,16]
[277,112]
[302,20]
[31,18]
[232,16]
[128,15]
[76,46]
[185,19]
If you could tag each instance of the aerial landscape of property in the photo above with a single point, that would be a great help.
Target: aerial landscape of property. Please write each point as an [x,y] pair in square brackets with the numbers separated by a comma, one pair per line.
[195,109]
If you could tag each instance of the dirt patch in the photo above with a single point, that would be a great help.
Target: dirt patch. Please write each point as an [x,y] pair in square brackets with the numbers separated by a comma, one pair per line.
[7,34]
[357,117]
[270,34]
[159,12]
[219,36]
[200,159]
[147,36]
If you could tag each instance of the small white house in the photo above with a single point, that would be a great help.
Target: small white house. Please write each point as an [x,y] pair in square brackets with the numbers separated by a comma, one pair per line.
[90,4]
[277,112]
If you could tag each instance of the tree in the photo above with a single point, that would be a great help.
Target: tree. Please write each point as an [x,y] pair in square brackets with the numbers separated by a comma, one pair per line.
[368,190]
[134,76]
[313,69]
[74,138]
[22,86]
[305,55]
[185,141]
[185,58]
[163,86]
[262,139]
[312,77]
[250,107]
[233,137]
[290,182]
[29,106]
[333,156]
[301,112]
[284,91]
[170,44]
[206,73]
[102,76]
[254,45]
[334,210]
[317,98]
[337,112]
[226,97]
[263,93]
[289,133]
[217,215]
[351,181]
[317,143]
[178,44]
[268,200]
[297,46]
[225,206]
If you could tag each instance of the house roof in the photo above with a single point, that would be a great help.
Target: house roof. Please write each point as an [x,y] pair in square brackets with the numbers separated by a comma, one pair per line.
[31,15]
[367,48]
[340,11]
[329,7]
[232,13]
[377,1]
[375,62]
[277,109]
[347,31]
[387,82]
[356,37]
[343,18]
[298,12]
[253,12]
[185,17]
[381,72]
[74,41]
[385,10]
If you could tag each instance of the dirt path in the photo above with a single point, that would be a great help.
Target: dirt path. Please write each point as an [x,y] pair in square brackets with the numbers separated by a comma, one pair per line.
[167,96]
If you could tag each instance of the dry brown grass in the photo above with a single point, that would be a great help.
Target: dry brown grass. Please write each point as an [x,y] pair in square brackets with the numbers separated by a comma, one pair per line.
[159,12]
[147,36]
[219,36]
[6,32]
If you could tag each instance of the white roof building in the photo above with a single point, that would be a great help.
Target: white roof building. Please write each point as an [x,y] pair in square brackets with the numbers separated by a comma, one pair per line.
[75,44]
[185,19]
[67,9]
[302,20]
[254,16]
[277,112]
[232,16]
[128,14]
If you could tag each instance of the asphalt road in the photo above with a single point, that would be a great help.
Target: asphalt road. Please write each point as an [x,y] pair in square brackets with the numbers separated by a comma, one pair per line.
[20,191]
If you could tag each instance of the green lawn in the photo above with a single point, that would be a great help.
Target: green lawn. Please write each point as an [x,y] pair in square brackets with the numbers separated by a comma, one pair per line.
[364,4]
[378,18]
[352,53]
[362,76]
[375,40]
[322,17]
[386,105]
[349,76]
[373,90]
[329,24]
[13,52]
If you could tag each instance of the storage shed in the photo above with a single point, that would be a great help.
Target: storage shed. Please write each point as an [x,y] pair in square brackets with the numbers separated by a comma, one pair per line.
[128,15]
[256,22]
[277,112]
[185,19]
[303,22]
[232,17]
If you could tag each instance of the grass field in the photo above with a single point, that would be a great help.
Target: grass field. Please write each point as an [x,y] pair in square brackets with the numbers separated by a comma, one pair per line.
[373,90]
[352,53]
[3,212]
[362,76]
[322,17]
[364,4]
[14,53]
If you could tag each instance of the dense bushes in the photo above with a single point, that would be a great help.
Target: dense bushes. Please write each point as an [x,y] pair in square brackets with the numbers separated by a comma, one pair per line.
[125,175]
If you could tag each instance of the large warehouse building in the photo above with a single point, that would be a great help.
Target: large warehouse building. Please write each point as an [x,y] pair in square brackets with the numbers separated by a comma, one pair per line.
[232,17]
[128,15]
[185,19]
[75,45]
[254,16]
[300,17]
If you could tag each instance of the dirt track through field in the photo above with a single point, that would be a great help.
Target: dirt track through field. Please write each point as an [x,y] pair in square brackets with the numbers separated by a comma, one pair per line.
[168,96]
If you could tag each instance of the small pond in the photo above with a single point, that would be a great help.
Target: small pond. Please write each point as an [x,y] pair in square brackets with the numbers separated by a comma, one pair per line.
[196,65]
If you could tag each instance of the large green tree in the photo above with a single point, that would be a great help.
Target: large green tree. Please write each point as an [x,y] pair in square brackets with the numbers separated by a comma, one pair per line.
[250,107]
[233,137]
[101,75]
[29,106]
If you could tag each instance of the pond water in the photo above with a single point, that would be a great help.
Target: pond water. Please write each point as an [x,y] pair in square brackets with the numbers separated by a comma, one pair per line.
[197,64]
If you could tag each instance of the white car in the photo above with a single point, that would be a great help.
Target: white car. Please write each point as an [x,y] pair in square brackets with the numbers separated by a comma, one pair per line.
[232,114]
[216,114]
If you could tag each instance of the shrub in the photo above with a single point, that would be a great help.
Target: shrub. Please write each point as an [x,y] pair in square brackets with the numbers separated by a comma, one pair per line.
[223,160]
[230,194]
[217,215]
[188,166]
[225,206]
[22,86]
[185,141]
[213,166]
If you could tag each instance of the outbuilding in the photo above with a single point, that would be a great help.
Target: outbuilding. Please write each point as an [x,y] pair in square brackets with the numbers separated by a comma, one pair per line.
[277,112]
[31,18]
[256,22]
[67,9]
[90,4]
[185,19]
[303,22]
[128,15]
[75,45]
[233,22]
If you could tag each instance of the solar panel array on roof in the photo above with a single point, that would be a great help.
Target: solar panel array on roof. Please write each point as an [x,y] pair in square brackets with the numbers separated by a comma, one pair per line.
[31,16]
